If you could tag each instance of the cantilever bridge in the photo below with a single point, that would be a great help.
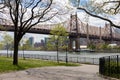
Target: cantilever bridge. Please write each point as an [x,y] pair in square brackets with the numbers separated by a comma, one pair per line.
[76,29]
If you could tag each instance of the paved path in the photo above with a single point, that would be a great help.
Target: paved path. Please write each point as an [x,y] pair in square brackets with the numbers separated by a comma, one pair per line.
[84,72]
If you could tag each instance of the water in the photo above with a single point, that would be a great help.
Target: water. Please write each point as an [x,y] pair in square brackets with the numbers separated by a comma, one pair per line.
[71,54]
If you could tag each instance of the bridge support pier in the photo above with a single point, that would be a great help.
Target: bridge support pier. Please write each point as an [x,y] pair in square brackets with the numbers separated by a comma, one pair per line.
[70,44]
[74,46]
[77,44]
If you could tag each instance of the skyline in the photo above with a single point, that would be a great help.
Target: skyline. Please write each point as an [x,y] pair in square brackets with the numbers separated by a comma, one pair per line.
[37,37]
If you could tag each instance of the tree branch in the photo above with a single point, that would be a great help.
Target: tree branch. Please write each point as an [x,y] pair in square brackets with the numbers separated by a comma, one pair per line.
[115,8]
[32,14]
[111,23]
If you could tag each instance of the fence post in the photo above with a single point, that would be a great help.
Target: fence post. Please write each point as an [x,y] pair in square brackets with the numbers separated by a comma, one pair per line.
[93,60]
[117,66]
[109,65]
[102,65]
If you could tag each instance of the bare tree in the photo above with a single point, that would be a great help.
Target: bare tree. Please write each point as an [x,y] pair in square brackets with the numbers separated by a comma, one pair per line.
[102,8]
[25,14]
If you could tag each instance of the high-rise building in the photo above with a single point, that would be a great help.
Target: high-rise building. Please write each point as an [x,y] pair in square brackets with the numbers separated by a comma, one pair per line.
[42,43]
[31,41]
[46,39]
[37,44]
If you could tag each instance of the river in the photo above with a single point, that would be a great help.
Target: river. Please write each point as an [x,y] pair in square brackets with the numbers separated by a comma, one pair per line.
[70,54]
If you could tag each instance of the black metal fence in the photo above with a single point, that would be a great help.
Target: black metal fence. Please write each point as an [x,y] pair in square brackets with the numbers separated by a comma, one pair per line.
[110,66]
[88,60]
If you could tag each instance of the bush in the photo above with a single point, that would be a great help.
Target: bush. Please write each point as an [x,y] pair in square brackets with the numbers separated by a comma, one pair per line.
[111,69]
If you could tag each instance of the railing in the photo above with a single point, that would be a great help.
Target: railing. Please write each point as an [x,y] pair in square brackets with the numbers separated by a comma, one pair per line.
[87,60]
[110,66]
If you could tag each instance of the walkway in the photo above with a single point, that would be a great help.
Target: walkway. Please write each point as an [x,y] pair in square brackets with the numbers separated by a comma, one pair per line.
[84,72]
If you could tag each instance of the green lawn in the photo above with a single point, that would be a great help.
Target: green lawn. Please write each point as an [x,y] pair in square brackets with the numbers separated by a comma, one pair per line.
[6,64]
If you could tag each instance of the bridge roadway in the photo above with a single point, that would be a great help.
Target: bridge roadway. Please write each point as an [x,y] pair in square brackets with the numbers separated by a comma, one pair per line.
[72,33]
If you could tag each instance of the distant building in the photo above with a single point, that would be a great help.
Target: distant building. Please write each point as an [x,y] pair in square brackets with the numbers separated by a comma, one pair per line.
[31,41]
[40,44]
[37,44]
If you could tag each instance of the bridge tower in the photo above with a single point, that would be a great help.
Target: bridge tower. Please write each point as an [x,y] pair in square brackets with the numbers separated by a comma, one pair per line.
[87,33]
[100,34]
[110,33]
[74,29]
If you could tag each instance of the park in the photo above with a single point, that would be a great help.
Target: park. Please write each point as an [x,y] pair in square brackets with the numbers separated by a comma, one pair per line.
[83,38]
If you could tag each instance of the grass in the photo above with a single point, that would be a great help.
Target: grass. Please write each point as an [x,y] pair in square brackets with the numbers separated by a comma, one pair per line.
[6,64]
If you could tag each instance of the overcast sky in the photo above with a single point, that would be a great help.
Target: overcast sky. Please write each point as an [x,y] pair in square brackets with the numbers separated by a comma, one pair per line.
[92,21]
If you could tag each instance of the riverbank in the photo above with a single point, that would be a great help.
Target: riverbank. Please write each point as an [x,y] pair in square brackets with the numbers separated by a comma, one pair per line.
[7,66]
[91,58]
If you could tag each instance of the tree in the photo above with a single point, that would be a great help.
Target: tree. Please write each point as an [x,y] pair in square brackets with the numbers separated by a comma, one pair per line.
[1,45]
[25,44]
[58,37]
[50,45]
[25,14]
[101,9]
[7,41]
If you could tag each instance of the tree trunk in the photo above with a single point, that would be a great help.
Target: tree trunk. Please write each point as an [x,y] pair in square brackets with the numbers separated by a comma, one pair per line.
[7,52]
[15,55]
[57,52]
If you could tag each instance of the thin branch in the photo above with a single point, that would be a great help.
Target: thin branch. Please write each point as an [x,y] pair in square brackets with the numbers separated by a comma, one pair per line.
[112,2]
[32,14]
[11,13]
[48,18]
[28,27]
[116,8]
[111,23]
[31,3]
[22,15]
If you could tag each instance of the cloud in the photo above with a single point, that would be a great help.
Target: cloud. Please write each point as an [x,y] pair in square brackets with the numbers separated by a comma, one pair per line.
[91,20]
